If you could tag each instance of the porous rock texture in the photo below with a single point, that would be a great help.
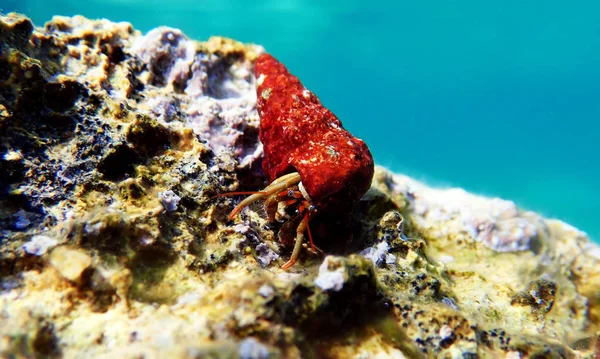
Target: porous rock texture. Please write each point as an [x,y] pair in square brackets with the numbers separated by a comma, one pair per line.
[113,145]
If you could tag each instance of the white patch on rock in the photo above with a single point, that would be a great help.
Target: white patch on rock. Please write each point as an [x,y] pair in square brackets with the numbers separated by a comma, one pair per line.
[450,303]
[12,156]
[266,290]
[188,298]
[39,245]
[169,200]
[162,108]
[22,221]
[220,105]
[166,50]
[70,262]
[445,332]
[251,348]
[241,228]
[594,251]
[330,280]
[444,258]
[265,254]
[379,255]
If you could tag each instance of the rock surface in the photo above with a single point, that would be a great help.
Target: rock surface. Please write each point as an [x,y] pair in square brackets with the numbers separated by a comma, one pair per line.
[113,145]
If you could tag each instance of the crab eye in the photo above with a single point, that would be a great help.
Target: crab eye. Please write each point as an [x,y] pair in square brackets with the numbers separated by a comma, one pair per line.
[312,207]
[291,193]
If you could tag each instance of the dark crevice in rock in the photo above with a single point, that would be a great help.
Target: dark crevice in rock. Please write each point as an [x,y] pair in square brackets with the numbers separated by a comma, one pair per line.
[148,137]
[119,163]
[61,96]
[45,342]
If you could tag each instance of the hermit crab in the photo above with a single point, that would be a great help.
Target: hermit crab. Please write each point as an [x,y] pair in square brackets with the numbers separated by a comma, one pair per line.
[315,166]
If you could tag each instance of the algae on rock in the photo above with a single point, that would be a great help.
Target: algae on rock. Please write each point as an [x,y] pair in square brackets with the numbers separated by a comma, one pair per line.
[113,145]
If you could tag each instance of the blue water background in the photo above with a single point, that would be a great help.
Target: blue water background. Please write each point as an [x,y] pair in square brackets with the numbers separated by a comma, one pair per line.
[498,97]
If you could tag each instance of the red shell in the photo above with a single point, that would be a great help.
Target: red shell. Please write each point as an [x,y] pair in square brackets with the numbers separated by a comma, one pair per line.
[299,134]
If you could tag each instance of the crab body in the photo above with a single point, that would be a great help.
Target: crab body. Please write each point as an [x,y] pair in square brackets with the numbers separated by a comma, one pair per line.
[315,166]
[300,135]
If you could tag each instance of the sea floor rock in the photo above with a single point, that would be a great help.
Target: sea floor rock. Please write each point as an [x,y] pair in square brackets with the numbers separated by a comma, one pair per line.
[113,145]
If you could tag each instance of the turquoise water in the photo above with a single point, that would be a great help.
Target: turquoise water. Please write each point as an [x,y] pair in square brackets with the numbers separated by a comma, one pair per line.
[500,98]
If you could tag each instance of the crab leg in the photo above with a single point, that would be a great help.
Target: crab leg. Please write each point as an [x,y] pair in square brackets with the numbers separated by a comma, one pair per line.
[294,177]
[271,207]
[298,244]
[277,185]
[306,206]
[312,244]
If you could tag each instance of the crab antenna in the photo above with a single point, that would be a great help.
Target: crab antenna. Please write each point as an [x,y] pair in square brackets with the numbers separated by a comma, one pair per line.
[235,193]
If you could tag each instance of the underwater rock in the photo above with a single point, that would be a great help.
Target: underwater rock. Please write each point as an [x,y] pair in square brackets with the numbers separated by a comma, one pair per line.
[265,255]
[113,146]
[169,200]
[69,262]
[329,279]
[379,254]
[250,348]
[39,245]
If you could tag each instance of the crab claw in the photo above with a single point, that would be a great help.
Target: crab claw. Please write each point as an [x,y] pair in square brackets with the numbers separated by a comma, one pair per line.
[278,185]
[287,189]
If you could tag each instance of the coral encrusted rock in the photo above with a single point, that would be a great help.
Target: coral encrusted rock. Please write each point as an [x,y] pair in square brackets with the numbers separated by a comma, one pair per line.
[113,242]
